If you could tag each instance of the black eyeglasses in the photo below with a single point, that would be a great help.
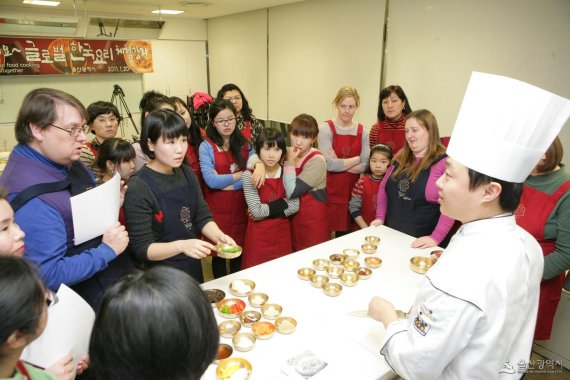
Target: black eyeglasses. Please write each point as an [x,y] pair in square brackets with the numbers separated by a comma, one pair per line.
[74,131]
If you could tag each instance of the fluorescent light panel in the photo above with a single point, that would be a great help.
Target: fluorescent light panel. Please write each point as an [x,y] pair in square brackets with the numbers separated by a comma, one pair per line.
[167,12]
[42,2]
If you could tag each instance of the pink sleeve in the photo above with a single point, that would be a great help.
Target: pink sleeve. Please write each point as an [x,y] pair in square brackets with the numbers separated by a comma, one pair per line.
[444,223]
[382,201]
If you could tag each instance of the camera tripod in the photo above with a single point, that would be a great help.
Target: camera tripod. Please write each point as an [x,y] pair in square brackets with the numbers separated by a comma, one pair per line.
[118,99]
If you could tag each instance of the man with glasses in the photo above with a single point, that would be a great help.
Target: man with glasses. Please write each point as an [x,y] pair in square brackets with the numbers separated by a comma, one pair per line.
[42,173]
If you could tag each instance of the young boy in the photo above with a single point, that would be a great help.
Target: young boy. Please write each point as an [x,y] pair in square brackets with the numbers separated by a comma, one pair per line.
[475,310]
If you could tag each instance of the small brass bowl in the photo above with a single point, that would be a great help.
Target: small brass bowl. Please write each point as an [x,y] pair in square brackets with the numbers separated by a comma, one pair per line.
[319,280]
[229,367]
[420,264]
[369,248]
[351,253]
[224,352]
[334,271]
[321,264]
[349,278]
[242,288]
[249,317]
[337,259]
[350,264]
[257,299]
[363,273]
[285,325]
[230,307]
[306,273]
[373,262]
[271,310]
[332,289]
[228,251]
[229,328]
[214,296]
[263,330]
[243,341]
[372,239]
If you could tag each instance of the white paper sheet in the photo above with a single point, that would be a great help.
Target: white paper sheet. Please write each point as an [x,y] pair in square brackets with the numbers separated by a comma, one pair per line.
[95,210]
[68,330]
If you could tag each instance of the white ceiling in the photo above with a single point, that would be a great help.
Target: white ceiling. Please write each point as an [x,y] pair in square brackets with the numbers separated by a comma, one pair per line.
[139,9]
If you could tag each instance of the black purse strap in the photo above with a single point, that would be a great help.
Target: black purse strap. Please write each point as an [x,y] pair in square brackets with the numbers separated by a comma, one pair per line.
[33,191]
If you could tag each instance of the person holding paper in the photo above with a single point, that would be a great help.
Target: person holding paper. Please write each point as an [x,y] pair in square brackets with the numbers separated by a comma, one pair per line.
[475,311]
[50,129]
[164,207]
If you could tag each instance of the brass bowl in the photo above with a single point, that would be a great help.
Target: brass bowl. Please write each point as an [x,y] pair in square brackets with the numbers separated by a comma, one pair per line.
[306,273]
[332,289]
[228,251]
[351,253]
[319,280]
[420,264]
[271,310]
[224,352]
[321,264]
[230,307]
[257,299]
[263,330]
[372,239]
[369,248]
[337,259]
[214,296]
[232,368]
[249,317]
[334,271]
[243,341]
[349,278]
[285,325]
[242,288]
[373,262]
[228,329]
[350,264]
[363,273]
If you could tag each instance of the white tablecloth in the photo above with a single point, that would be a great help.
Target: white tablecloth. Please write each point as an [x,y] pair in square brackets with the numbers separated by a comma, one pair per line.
[350,345]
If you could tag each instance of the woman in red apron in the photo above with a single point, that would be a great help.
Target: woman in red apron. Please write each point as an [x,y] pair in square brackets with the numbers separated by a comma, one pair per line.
[392,111]
[362,205]
[344,144]
[223,157]
[164,208]
[249,126]
[195,138]
[544,211]
[268,233]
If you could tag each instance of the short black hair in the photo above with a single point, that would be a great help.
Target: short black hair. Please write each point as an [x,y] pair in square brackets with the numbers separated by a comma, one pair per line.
[246,111]
[161,123]
[22,298]
[152,101]
[156,324]
[115,150]
[101,108]
[271,137]
[510,191]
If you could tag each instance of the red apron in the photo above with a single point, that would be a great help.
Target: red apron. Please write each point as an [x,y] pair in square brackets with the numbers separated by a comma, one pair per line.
[532,213]
[369,200]
[269,238]
[89,144]
[23,370]
[247,130]
[340,184]
[193,161]
[309,224]
[227,206]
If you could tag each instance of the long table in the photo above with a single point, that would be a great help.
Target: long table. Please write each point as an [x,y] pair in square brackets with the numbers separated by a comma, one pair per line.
[349,345]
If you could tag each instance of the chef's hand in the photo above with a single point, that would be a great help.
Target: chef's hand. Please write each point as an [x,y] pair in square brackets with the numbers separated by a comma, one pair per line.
[258,177]
[423,242]
[376,223]
[223,238]
[82,364]
[63,369]
[382,311]
[196,248]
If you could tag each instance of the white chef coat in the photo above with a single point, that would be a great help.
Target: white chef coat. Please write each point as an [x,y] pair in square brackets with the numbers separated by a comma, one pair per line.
[475,311]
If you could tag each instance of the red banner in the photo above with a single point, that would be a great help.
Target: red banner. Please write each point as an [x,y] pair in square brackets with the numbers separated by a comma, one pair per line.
[38,56]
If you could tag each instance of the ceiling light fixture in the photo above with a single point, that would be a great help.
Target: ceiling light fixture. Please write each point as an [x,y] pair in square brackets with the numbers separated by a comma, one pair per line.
[167,12]
[42,2]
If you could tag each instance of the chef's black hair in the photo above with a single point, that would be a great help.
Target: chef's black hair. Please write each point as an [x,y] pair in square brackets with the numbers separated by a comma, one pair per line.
[510,192]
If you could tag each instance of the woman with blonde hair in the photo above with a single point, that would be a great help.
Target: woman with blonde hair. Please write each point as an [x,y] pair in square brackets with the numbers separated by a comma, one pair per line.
[408,197]
[344,143]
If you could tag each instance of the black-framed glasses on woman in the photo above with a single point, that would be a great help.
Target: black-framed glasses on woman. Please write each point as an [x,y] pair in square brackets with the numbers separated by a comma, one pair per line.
[227,121]
[74,131]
